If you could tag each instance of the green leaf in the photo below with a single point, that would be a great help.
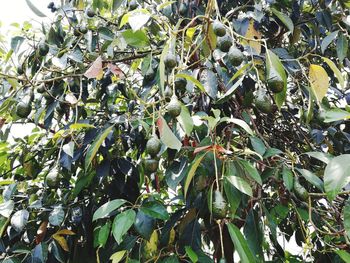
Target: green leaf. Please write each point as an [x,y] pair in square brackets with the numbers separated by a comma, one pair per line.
[258,145]
[161,68]
[155,209]
[336,175]
[103,233]
[105,33]
[192,171]
[191,254]
[284,18]
[233,195]
[35,9]
[342,46]
[241,245]
[144,224]
[336,71]
[238,122]
[240,184]
[318,81]
[323,157]
[343,255]
[79,126]
[185,120]
[274,63]
[346,216]
[239,72]
[167,136]
[312,178]
[191,79]
[254,234]
[16,43]
[122,223]
[138,19]
[136,39]
[336,115]
[228,94]
[117,256]
[104,210]
[251,171]
[56,216]
[91,152]
[210,82]
[288,178]
[327,40]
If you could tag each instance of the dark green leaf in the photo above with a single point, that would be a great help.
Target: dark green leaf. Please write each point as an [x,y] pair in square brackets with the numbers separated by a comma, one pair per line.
[342,46]
[35,9]
[136,39]
[327,40]
[336,175]
[91,152]
[104,210]
[155,209]
[312,178]
[122,223]
[288,178]
[144,224]
[241,245]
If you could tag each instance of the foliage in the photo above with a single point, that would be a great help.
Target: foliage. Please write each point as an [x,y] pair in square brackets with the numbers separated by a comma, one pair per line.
[249,101]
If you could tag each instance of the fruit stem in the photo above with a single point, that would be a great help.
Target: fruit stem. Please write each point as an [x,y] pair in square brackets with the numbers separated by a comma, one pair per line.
[216,171]
[221,239]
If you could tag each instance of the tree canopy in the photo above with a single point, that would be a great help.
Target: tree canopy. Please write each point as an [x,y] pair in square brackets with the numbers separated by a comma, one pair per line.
[177,131]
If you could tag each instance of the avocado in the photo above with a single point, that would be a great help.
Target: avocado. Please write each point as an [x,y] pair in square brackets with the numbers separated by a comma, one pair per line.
[90,12]
[274,81]
[170,61]
[43,48]
[174,107]
[219,205]
[23,109]
[180,83]
[151,165]
[224,43]
[219,28]
[52,178]
[183,9]
[153,146]
[168,93]
[133,5]
[262,102]
[235,56]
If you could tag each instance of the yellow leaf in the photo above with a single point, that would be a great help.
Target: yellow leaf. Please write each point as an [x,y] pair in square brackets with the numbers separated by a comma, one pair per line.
[152,245]
[117,256]
[252,33]
[65,232]
[62,241]
[319,81]
[171,236]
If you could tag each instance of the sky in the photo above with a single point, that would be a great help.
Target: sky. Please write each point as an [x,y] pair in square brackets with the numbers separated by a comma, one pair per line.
[18,11]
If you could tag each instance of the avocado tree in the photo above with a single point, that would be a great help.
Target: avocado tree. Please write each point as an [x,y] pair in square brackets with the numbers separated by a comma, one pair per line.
[177,131]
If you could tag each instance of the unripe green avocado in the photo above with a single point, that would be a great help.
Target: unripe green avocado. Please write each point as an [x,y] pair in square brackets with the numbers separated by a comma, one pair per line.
[43,48]
[235,56]
[219,206]
[262,102]
[174,107]
[23,109]
[153,146]
[274,81]
[219,29]
[224,43]
[151,165]
[170,61]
